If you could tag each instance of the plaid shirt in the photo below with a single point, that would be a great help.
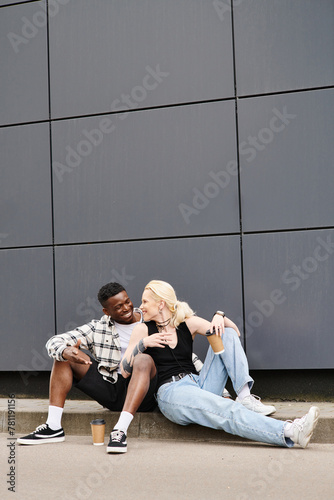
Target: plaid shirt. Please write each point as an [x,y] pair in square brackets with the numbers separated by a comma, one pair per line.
[100,337]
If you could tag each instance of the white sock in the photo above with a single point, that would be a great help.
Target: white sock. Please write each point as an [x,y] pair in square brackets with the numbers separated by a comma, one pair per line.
[124,421]
[54,417]
[245,391]
[288,429]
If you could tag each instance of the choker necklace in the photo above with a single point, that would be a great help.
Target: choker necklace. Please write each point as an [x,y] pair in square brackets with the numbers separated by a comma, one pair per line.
[162,326]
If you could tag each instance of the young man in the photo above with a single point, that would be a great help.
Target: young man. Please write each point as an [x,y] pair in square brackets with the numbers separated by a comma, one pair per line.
[98,374]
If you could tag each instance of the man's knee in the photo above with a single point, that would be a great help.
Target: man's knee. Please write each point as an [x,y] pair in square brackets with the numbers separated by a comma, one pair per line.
[60,366]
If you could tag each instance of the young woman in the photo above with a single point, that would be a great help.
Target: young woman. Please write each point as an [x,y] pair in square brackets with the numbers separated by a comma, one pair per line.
[185,397]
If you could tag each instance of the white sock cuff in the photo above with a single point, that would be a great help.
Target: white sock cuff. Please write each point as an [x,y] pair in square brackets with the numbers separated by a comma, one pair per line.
[245,391]
[124,421]
[54,417]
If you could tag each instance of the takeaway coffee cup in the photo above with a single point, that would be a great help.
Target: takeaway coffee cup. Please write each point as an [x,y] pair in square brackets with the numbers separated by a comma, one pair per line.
[98,427]
[216,342]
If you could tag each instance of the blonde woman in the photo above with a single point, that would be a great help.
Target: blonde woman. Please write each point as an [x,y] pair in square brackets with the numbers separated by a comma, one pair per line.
[185,397]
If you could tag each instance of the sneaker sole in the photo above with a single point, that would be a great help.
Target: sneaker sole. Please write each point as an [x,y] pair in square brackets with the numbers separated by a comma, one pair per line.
[116,450]
[40,441]
[270,412]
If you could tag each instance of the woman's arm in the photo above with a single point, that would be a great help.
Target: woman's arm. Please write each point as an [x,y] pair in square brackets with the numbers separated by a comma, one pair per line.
[136,345]
[197,325]
[201,325]
[229,324]
[139,342]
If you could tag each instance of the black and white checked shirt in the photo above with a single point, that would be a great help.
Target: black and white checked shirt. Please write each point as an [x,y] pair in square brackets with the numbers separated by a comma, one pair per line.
[100,338]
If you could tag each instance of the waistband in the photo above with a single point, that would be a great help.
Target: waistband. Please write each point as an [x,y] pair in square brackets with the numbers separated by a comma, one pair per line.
[174,378]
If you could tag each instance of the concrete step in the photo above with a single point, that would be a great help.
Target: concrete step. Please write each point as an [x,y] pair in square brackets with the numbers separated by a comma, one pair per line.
[29,413]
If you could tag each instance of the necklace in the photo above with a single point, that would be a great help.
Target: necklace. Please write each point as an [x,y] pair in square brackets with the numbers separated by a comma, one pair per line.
[162,326]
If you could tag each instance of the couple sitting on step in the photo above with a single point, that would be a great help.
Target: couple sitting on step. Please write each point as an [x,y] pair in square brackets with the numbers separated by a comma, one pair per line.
[137,358]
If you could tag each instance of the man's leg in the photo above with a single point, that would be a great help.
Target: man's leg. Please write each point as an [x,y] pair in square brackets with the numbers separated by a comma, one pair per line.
[143,373]
[61,380]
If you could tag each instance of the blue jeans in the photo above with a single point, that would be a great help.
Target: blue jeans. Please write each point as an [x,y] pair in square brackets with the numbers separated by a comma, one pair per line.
[199,400]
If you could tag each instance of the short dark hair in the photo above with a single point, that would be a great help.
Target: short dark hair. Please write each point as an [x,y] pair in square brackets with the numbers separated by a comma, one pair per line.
[109,290]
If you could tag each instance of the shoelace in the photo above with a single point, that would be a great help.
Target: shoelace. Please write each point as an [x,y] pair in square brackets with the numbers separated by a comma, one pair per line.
[40,428]
[299,422]
[116,436]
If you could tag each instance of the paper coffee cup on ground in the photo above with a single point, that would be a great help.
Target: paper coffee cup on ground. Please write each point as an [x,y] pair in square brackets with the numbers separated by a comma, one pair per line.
[98,427]
[216,343]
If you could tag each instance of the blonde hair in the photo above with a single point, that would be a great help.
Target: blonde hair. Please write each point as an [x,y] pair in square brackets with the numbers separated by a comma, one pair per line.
[161,290]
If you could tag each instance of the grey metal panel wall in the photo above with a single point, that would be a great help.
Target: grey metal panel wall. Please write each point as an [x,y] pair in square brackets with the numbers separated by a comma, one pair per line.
[9,2]
[156,173]
[23,62]
[286,160]
[192,265]
[25,186]
[27,308]
[289,299]
[169,158]
[132,54]
[282,45]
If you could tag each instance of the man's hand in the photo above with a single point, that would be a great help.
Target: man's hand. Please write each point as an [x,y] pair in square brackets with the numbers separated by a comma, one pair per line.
[74,354]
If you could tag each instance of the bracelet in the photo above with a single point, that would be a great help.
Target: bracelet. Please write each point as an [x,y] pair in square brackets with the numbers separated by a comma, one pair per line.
[221,313]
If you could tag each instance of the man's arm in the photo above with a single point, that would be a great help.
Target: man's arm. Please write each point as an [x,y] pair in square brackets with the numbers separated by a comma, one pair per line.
[57,344]
[74,355]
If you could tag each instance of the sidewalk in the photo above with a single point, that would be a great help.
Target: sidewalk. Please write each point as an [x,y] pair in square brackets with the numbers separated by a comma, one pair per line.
[29,413]
[168,470]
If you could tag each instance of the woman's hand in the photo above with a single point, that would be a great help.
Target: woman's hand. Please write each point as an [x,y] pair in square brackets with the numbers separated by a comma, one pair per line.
[158,340]
[218,324]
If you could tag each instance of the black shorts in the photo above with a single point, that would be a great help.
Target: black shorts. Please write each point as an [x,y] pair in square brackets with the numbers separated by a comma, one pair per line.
[112,396]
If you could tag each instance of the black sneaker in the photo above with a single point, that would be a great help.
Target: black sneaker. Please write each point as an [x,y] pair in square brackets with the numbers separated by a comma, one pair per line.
[117,442]
[43,434]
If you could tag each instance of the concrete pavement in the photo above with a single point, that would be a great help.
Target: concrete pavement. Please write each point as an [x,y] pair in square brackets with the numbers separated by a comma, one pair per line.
[163,461]
[168,469]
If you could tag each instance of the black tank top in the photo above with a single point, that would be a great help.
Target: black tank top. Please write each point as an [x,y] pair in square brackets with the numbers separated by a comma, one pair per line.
[169,361]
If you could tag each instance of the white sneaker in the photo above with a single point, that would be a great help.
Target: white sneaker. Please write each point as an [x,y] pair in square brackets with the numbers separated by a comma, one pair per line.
[302,428]
[253,403]
[226,394]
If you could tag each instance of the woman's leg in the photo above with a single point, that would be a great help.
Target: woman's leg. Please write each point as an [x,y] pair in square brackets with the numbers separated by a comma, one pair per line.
[184,402]
[231,363]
